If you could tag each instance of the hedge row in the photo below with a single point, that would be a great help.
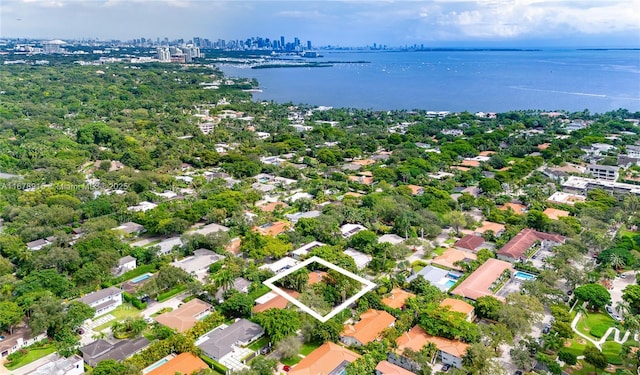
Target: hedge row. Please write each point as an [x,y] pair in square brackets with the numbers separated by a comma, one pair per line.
[166,295]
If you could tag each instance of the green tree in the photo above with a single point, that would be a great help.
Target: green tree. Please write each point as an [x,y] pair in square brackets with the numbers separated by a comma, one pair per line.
[10,315]
[239,305]
[567,357]
[488,307]
[278,323]
[595,358]
[595,295]
[479,360]
[289,347]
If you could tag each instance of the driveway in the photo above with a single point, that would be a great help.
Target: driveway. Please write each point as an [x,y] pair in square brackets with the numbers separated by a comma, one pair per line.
[618,286]
[154,307]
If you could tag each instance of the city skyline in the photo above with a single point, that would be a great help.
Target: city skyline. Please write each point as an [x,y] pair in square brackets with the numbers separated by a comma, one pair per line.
[493,23]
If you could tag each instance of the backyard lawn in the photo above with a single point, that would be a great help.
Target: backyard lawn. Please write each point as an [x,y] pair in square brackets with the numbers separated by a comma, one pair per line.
[32,355]
[588,322]
[577,346]
[611,350]
[120,313]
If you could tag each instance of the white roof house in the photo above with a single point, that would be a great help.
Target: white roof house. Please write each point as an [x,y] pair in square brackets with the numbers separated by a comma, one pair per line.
[361,259]
[349,230]
[280,265]
[393,239]
[142,207]
[304,250]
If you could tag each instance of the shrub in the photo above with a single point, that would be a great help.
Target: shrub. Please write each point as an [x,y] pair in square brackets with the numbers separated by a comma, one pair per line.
[599,330]
[567,357]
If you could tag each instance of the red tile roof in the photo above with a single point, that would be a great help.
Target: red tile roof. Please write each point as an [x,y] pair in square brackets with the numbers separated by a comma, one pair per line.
[397,298]
[470,242]
[184,364]
[368,328]
[478,284]
[324,360]
[388,368]
[518,246]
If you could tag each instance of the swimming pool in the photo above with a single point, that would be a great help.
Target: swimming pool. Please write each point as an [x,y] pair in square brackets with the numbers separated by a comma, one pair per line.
[524,276]
[449,284]
[155,365]
[141,278]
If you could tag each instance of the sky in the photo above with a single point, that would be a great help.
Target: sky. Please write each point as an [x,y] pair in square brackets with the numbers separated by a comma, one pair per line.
[435,23]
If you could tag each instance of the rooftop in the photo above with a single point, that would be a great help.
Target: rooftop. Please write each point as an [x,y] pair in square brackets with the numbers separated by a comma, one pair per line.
[324,360]
[184,364]
[555,214]
[388,368]
[397,298]
[470,242]
[186,316]
[368,328]
[457,305]
[518,246]
[221,340]
[478,284]
[450,256]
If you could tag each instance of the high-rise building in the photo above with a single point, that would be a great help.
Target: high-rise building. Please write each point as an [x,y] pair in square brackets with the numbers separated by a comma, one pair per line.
[163,54]
[309,44]
[282,44]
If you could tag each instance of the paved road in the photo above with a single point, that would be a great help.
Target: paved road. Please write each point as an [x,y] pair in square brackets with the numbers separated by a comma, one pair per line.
[154,307]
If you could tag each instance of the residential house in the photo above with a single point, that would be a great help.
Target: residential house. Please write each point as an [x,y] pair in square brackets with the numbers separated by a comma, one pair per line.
[20,337]
[450,352]
[101,350]
[272,229]
[388,368]
[397,298]
[450,258]
[565,198]
[555,214]
[603,172]
[272,206]
[486,226]
[349,230]
[273,300]
[437,277]
[582,185]
[293,218]
[416,190]
[361,259]
[103,301]
[365,180]
[37,244]
[368,328]
[470,242]
[198,264]
[484,280]
[186,316]
[517,248]
[392,239]
[61,366]
[327,359]
[182,364]
[518,209]
[280,265]
[142,207]
[125,264]
[240,284]
[459,306]
[304,250]
[167,245]
[223,339]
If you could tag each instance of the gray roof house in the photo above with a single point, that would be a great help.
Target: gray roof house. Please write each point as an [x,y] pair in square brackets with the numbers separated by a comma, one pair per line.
[240,284]
[101,350]
[220,342]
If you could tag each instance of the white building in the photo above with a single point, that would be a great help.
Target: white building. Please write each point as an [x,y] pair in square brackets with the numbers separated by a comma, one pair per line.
[73,365]
[103,301]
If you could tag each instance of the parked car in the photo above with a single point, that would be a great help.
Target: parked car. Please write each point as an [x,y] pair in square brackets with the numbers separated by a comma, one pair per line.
[286,368]
[623,275]
[446,367]
[609,309]
[518,372]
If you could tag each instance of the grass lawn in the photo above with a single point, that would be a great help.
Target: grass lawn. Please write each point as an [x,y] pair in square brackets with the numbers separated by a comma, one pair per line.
[586,323]
[292,361]
[120,313]
[308,348]
[32,355]
[611,350]
[257,345]
[577,346]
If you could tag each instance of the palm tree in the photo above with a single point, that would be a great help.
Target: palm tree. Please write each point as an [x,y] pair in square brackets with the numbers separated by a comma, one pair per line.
[623,307]
[223,279]
[617,262]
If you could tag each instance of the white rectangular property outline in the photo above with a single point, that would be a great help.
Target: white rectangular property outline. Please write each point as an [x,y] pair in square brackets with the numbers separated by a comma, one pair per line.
[368,286]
